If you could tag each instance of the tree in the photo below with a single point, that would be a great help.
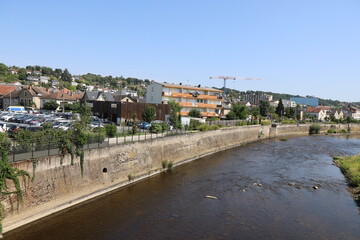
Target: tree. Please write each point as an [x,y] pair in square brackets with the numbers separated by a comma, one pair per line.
[66,76]
[238,111]
[280,109]
[195,113]
[22,74]
[264,107]
[255,112]
[149,113]
[3,69]
[52,105]
[175,117]
[58,72]
[47,71]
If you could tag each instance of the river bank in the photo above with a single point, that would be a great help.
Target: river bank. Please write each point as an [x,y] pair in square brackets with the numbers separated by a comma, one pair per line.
[59,186]
[350,167]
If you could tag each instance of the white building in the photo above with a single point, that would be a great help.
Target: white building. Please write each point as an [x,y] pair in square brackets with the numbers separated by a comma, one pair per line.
[207,100]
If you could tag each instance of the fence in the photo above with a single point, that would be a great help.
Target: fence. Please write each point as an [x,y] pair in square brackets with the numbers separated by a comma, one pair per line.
[124,136]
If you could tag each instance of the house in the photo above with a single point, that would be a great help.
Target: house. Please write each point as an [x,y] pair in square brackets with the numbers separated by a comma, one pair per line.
[61,97]
[55,83]
[30,96]
[11,99]
[28,72]
[126,91]
[37,72]
[208,101]
[33,79]
[355,113]
[124,98]
[13,70]
[4,90]
[318,113]
[336,114]
[44,79]
[97,96]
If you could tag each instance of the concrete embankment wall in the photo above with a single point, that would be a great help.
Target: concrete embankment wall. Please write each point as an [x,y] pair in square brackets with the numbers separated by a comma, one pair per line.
[58,186]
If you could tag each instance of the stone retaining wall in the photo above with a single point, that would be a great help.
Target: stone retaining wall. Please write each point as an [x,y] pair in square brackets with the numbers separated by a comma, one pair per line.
[57,186]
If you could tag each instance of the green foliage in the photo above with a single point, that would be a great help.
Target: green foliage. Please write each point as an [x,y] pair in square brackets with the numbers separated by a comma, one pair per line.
[289,121]
[264,108]
[149,113]
[194,124]
[331,131]
[195,113]
[175,117]
[134,124]
[66,76]
[350,166]
[156,128]
[9,173]
[110,130]
[203,127]
[238,111]
[170,166]
[214,127]
[280,109]
[265,122]
[314,129]
[241,123]
[164,164]
[51,105]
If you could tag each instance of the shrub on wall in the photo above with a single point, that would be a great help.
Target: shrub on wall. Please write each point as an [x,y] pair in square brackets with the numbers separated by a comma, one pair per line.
[314,129]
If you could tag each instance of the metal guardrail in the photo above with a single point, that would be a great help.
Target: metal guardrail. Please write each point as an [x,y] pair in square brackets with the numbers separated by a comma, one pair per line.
[18,153]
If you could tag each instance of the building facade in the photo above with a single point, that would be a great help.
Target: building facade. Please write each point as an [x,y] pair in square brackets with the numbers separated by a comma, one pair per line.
[208,101]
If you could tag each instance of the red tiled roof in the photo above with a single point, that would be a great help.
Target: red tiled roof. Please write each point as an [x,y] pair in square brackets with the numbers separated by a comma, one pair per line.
[65,94]
[6,89]
[313,110]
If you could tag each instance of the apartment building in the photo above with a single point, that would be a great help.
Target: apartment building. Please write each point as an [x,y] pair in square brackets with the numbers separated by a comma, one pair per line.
[207,100]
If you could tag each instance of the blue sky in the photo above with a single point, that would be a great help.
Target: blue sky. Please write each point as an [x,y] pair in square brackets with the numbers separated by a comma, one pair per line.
[303,47]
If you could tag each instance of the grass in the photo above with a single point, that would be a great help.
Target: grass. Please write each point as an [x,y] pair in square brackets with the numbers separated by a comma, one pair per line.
[283,139]
[350,167]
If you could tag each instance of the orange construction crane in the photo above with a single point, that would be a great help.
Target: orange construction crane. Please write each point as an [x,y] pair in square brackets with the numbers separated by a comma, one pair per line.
[232,78]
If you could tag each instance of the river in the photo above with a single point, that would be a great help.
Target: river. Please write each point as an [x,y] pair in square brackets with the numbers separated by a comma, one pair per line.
[264,190]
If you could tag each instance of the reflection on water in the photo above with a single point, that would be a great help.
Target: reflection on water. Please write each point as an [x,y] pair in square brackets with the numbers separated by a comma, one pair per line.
[265,191]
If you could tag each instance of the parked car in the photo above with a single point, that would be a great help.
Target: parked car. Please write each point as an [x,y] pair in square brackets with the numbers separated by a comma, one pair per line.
[144,125]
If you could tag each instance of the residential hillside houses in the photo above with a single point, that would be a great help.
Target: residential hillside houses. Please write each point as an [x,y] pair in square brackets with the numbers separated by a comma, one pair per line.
[318,113]
[207,100]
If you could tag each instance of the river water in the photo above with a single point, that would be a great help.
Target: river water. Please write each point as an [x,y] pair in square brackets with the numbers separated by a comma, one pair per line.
[264,190]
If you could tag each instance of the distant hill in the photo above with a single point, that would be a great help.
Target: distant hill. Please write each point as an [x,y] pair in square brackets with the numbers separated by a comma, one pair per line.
[235,94]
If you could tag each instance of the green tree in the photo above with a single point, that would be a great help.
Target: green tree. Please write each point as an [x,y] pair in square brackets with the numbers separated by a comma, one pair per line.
[238,111]
[22,74]
[175,117]
[149,113]
[3,69]
[280,108]
[47,71]
[255,112]
[58,72]
[195,113]
[51,105]
[66,76]
[264,108]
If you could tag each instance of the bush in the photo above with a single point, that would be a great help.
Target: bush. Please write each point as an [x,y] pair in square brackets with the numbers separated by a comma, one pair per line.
[214,127]
[265,122]
[343,131]
[241,123]
[314,129]
[331,131]
[289,122]
[110,130]
[203,127]
[156,128]
[194,124]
